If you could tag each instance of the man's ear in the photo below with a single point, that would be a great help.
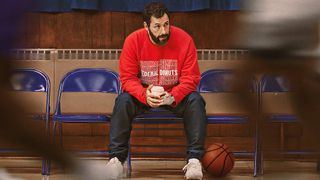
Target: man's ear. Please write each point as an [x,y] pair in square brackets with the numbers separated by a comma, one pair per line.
[145,25]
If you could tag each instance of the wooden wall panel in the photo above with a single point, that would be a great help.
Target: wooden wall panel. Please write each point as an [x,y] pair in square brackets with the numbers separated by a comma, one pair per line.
[210,29]
[117,29]
[132,23]
[48,30]
[74,30]
[20,35]
[101,30]
[180,20]
[33,30]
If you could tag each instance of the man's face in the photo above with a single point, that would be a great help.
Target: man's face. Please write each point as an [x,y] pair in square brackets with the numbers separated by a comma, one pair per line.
[159,29]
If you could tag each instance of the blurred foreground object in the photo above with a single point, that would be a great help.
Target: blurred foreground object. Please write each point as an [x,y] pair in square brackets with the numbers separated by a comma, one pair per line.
[14,125]
[282,37]
[284,26]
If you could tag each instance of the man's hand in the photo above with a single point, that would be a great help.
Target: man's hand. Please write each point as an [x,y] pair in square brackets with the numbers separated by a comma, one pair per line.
[154,100]
[168,99]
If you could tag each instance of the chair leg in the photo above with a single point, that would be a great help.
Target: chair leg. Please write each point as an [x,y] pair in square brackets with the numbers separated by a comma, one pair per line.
[60,133]
[48,162]
[44,167]
[129,165]
[54,131]
[258,159]
[258,164]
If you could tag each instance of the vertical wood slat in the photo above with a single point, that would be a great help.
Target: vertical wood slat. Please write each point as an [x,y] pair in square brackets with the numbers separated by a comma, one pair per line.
[74,30]
[117,29]
[33,31]
[102,30]
[132,23]
[48,30]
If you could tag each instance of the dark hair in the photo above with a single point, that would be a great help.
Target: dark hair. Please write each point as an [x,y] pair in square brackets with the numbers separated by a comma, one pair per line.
[156,9]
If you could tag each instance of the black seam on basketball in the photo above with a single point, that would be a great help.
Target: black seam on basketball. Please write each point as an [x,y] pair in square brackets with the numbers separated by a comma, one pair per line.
[225,150]
[216,145]
[214,149]
[224,164]
[231,158]
[214,160]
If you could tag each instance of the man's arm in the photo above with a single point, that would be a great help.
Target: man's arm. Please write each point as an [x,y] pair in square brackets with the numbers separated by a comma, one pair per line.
[190,75]
[129,70]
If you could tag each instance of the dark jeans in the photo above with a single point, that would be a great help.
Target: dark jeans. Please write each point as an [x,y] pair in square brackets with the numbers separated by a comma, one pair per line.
[191,108]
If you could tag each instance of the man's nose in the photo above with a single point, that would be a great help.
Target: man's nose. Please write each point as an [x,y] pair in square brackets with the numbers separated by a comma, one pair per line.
[162,30]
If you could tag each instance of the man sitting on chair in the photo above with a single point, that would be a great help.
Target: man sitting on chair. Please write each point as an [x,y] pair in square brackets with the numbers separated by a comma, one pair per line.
[159,57]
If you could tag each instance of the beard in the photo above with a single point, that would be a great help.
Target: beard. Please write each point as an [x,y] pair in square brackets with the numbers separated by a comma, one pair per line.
[157,40]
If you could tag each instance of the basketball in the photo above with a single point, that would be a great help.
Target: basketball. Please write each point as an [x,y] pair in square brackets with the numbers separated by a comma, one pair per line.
[217,160]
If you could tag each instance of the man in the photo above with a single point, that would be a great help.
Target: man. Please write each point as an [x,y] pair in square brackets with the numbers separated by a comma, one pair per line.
[158,55]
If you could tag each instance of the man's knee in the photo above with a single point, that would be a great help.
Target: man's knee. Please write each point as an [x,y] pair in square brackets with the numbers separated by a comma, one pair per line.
[125,100]
[196,98]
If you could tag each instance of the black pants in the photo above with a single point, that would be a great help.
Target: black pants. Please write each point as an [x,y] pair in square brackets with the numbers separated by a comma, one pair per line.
[191,109]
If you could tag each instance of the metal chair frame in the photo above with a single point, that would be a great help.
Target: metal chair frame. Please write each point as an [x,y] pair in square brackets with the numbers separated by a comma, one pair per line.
[69,84]
[37,81]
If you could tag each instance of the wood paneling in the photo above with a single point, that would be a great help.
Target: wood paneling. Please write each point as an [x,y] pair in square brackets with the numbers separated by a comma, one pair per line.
[102,31]
[48,30]
[210,29]
[132,22]
[117,29]
[32,30]
[74,30]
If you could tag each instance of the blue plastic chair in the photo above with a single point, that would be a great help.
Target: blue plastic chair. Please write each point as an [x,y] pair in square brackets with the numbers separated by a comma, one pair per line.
[220,81]
[84,80]
[278,84]
[35,81]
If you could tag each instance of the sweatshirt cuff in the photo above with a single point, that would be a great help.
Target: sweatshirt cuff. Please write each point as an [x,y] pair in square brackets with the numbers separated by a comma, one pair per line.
[143,97]
[176,100]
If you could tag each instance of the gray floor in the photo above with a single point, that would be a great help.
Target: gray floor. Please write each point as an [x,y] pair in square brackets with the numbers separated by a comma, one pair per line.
[29,169]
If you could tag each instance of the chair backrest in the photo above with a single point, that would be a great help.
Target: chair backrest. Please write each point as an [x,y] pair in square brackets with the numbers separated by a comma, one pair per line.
[92,80]
[274,83]
[216,81]
[33,81]
[216,88]
[276,94]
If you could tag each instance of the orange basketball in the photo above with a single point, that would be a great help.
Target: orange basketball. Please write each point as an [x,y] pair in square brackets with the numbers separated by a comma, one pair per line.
[217,160]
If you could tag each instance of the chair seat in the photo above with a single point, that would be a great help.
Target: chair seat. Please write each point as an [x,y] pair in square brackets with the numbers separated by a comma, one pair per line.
[81,118]
[157,119]
[38,117]
[285,118]
[158,115]
[227,119]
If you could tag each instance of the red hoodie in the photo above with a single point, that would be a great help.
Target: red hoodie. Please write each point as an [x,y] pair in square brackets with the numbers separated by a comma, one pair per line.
[173,65]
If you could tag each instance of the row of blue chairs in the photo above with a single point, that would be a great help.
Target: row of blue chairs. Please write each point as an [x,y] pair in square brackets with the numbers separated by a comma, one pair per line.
[106,81]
